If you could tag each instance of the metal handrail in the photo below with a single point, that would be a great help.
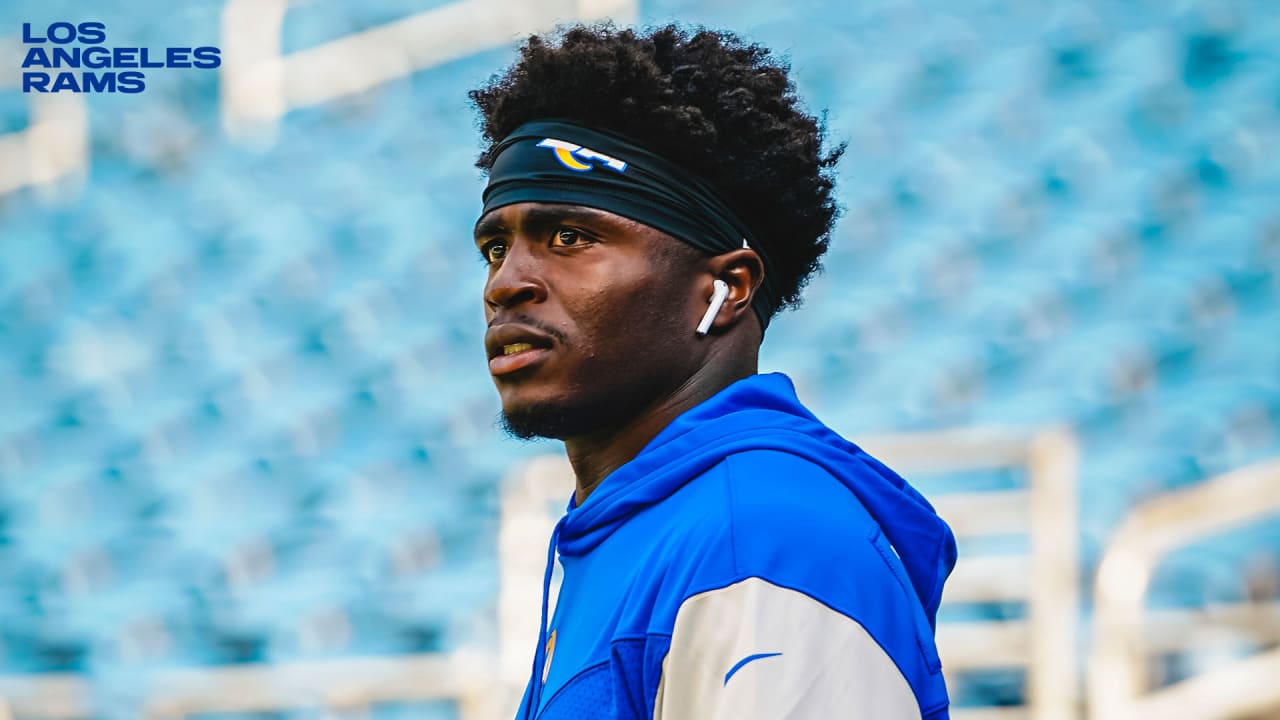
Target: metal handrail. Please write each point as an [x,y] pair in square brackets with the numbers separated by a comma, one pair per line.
[1117,666]
[1047,641]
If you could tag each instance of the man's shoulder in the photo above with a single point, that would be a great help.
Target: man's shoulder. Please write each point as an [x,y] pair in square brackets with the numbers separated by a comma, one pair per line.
[771,508]
[784,520]
[784,492]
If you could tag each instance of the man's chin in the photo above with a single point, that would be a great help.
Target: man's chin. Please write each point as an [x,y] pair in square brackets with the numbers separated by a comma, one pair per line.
[538,420]
[557,419]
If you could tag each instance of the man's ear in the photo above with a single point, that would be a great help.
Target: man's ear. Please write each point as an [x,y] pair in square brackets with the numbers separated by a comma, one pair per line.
[743,272]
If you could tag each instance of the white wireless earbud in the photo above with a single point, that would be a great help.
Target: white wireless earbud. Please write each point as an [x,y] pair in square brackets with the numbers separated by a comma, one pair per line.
[717,299]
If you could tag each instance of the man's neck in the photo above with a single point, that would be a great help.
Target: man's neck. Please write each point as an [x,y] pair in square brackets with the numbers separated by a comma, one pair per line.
[594,457]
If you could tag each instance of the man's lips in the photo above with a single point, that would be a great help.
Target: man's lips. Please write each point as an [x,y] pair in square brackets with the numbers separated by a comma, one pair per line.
[512,347]
[521,356]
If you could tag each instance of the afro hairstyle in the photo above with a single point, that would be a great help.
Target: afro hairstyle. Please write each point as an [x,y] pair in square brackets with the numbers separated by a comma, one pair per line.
[725,108]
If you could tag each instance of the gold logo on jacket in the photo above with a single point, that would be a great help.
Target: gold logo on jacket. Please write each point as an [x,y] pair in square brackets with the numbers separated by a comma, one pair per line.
[550,650]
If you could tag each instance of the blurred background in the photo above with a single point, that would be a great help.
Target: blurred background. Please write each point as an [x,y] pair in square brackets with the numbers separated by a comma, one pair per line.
[249,466]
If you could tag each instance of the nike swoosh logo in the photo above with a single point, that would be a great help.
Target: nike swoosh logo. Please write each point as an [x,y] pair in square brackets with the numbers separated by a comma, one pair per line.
[744,661]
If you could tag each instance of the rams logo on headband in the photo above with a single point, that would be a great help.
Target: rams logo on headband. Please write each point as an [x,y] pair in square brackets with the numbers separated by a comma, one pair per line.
[578,158]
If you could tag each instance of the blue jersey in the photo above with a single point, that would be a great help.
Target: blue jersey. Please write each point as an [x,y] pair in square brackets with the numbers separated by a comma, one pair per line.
[747,563]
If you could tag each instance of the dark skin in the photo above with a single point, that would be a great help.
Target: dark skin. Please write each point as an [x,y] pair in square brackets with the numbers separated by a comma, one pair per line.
[617,302]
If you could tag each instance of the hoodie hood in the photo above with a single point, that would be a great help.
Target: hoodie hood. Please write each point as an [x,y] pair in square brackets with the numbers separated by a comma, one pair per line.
[762,412]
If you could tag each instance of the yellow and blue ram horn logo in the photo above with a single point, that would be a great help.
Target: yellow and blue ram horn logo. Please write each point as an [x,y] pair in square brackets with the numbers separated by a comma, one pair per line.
[578,158]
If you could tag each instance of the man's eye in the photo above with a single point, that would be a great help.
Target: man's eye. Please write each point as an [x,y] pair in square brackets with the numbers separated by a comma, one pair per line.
[565,236]
[493,251]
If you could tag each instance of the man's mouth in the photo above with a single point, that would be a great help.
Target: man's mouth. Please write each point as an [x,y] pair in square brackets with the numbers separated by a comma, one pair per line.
[512,347]
[516,356]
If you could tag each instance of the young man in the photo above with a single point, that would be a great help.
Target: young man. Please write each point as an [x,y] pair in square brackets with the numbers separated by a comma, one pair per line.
[653,200]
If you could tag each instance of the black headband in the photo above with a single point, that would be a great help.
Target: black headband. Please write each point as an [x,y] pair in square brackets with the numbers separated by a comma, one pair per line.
[558,162]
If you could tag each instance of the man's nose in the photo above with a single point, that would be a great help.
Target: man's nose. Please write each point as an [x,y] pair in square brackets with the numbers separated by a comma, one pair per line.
[517,280]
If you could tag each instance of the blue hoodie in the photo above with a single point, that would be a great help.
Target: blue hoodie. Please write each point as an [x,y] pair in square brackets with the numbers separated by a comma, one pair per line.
[748,562]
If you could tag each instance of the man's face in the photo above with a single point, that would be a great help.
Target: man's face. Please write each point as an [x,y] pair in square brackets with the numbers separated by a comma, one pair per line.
[590,317]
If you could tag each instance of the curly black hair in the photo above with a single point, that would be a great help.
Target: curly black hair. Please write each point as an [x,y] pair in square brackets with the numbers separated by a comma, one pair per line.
[725,108]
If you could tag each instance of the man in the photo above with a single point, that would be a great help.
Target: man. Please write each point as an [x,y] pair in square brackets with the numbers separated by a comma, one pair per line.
[653,201]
